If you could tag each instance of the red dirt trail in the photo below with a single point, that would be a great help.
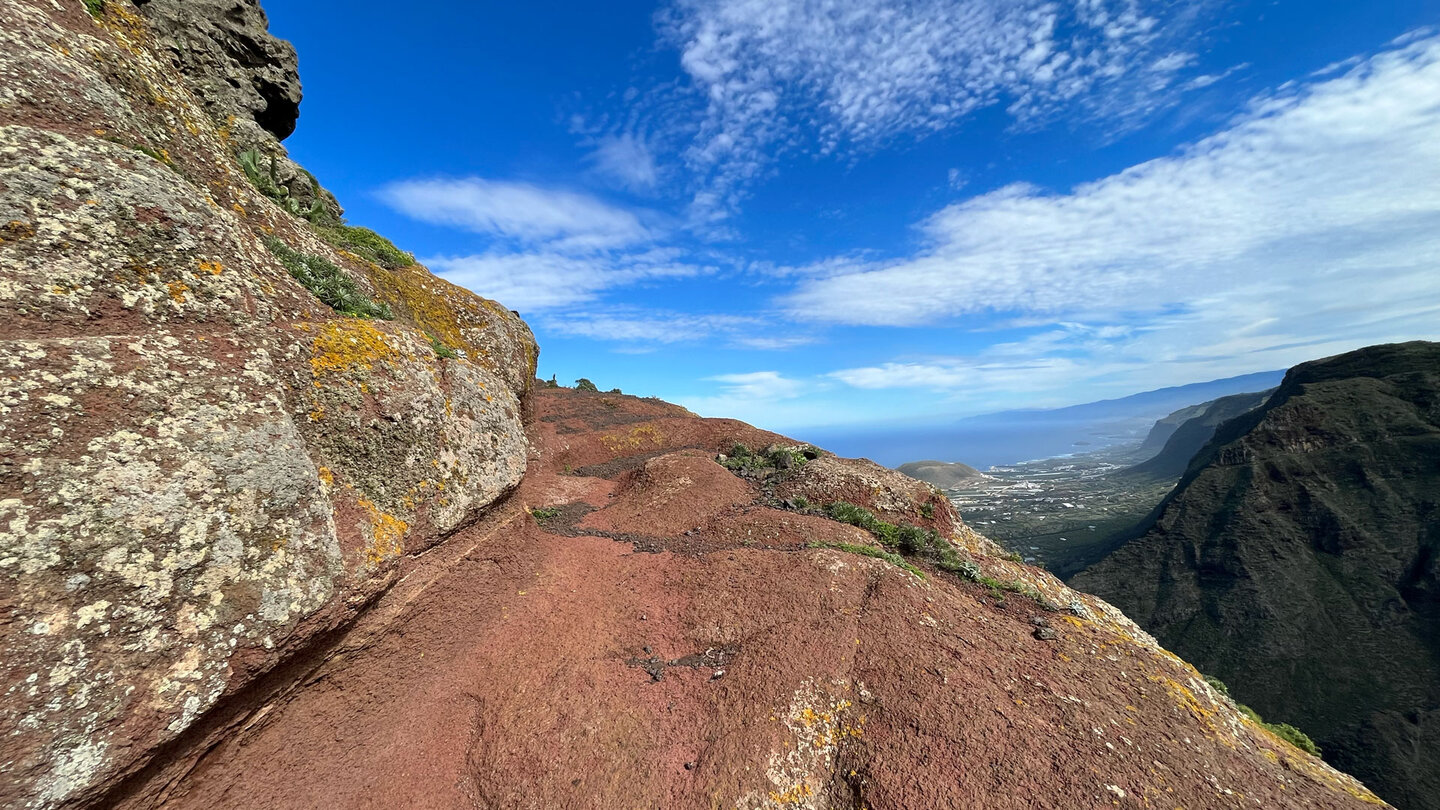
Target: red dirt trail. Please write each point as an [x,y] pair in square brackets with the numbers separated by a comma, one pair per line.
[667,641]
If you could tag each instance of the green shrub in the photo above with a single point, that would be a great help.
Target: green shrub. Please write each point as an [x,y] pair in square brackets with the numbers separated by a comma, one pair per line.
[1295,737]
[871,551]
[263,178]
[545,512]
[441,350]
[328,282]
[927,510]
[1284,731]
[95,7]
[365,243]
[583,384]
[552,382]
[1218,685]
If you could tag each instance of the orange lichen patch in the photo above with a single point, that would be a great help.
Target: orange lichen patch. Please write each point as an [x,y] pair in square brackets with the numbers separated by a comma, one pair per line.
[327,477]
[349,345]
[442,309]
[634,440]
[794,795]
[213,268]
[15,230]
[387,534]
[177,291]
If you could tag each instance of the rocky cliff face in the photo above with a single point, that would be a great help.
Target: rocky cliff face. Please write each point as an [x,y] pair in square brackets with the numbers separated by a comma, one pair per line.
[1183,440]
[1299,560]
[203,468]
[282,526]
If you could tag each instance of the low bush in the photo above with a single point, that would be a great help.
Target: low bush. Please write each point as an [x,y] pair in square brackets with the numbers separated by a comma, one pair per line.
[583,384]
[441,350]
[1284,731]
[365,243]
[545,512]
[328,282]
[871,551]
[95,7]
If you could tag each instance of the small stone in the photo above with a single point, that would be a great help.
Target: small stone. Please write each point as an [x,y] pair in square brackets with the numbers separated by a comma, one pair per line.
[1039,621]
[689,766]
[1046,634]
[717,674]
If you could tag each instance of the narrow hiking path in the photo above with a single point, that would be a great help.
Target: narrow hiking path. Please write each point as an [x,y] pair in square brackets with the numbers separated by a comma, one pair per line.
[660,638]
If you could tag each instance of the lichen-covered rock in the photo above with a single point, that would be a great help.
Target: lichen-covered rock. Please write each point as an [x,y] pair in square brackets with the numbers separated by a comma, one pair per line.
[247,79]
[202,466]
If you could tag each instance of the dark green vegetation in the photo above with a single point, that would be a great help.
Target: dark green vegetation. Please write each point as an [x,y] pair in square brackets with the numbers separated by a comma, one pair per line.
[265,180]
[95,7]
[1284,731]
[926,545]
[871,551]
[441,350]
[365,243]
[544,512]
[328,282]
[1299,558]
[744,461]
[583,384]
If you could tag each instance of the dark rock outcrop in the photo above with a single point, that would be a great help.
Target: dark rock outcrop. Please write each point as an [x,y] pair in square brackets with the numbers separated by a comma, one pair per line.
[1299,560]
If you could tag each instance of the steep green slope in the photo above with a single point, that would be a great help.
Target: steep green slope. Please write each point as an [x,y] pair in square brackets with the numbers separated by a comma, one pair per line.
[1299,560]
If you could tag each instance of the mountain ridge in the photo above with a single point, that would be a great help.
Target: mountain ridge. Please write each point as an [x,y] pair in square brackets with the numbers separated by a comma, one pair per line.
[1331,488]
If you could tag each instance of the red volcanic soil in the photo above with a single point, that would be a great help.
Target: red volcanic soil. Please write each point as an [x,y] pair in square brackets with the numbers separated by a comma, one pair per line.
[667,640]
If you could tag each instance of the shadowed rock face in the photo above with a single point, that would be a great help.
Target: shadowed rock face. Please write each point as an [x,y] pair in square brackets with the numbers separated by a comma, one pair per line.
[203,468]
[228,58]
[1299,561]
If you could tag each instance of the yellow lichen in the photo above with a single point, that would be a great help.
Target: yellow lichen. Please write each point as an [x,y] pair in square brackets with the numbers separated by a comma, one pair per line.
[177,291]
[349,345]
[387,535]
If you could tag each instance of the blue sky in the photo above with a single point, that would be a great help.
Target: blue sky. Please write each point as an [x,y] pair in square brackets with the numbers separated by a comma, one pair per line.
[822,213]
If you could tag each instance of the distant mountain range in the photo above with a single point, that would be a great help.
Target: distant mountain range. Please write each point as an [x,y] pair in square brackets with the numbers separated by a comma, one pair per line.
[1298,559]
[1013,436]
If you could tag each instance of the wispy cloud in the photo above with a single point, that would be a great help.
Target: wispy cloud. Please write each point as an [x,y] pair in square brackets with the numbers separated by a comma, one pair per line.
[854,74]
[1309,226]
[645,327]
[528,214]
[537,280]
[548,247]
[760,385]
[1329,192]
[625,160]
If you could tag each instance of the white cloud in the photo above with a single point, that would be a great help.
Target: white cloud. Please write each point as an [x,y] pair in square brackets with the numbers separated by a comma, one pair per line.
[765,385]
[1313,201]
[625,160]
[634,326]
[536,280]
[857,73]
[525,213]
